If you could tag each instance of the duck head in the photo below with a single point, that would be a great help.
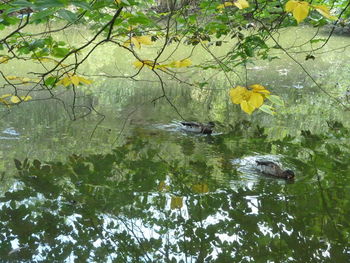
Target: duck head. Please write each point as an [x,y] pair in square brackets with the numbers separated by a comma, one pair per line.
[288,174]
[211,124]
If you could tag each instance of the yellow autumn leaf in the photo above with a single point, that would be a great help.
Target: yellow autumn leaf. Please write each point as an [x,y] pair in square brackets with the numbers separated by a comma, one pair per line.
[291,5]
[4,59]
[147,63]
[241,4]
[226,4]
[4,102]
[256,99]
[74,80]
[145,40]
[138,64]
[163,186]
[176,202]
[15,99]
[25,80]
[5,96]
[84,80]
[65,82]
[200,188]
[11,77]
[246,107]
[238,94]
[249,98]
[118,1]
[26,98]
[135,42]
[323,10]
[179,63]
[300,9]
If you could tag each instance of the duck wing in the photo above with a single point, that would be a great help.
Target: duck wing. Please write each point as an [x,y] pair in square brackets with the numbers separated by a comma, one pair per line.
[191,124]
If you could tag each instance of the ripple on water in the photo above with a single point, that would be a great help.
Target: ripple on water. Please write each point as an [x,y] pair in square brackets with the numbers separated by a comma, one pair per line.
[176,126]
[10,134]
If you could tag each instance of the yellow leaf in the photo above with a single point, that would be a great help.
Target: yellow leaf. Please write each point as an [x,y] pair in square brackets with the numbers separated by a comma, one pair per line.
[65,82]
[75,80]
[138,64]
[200,188]
[301,11]
[118,1]
[241,4]
[11,77]
[84,80]
[25,80]
[163,186]
[176,202]
[238,94]
[259,88]
[4,102]
[4,59]
[246,107]
[15,99]
[291,5]
[146,40]
[256,100]
[26,98]
[5,96]
[127,43]
[185,62]
[226,4]
[323,10]
[135,42]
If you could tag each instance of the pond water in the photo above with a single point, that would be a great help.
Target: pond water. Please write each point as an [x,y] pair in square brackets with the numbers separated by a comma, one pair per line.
[125,184]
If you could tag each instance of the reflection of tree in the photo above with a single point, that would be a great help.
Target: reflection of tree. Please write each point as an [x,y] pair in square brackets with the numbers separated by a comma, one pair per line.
[116,207]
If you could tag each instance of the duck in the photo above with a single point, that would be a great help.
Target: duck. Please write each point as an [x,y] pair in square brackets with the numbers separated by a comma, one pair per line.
[273,169]
[198,127]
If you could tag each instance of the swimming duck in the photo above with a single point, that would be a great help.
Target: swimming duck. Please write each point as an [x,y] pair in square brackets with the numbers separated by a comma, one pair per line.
[273,169]
[198,127]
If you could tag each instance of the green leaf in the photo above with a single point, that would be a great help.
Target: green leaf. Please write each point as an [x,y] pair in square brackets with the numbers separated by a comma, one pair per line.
[276,100]
[82,5]
[67,15]
[59,52]
[22,4]
[43,14]
[50,81]
[267,109]
[317,40]
[49,3]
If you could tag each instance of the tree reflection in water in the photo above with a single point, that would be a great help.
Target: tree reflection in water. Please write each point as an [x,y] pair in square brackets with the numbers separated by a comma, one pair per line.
[137,204]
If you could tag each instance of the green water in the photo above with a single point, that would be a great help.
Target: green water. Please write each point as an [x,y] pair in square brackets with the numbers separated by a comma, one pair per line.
[126,185]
